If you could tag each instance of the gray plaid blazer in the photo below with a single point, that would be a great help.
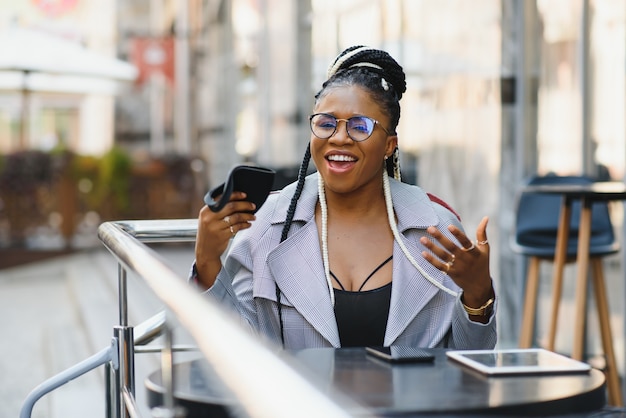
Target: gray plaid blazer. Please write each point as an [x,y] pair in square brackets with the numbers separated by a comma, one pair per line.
[420,315]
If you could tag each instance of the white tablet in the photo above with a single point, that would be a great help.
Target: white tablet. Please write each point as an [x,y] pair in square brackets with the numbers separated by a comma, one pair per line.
[518,361]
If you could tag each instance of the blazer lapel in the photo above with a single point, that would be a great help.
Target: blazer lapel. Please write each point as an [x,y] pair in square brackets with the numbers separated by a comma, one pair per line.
[300,254]
[411,291]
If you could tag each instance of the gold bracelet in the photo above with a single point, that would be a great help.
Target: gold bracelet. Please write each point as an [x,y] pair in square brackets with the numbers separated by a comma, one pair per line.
[482,311]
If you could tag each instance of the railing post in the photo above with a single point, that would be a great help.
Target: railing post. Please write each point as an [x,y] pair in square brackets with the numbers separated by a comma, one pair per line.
[168,409]
[125,372]
[122,295]
[167,368]
[108,391]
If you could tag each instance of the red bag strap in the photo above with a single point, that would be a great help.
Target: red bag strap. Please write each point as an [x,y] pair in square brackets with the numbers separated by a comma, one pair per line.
[439,201]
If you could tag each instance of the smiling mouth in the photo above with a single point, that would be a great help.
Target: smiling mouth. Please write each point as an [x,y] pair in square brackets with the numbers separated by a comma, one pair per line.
[340,163]
[341,158]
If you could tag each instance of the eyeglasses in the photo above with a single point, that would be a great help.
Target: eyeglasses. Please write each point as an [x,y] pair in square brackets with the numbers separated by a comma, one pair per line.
[359,128]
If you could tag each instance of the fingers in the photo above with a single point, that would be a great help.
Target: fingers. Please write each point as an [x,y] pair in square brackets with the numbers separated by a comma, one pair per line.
[216,228]
[444,252]
[234,217]
[438,256]
[466,261]
[236,210]
[481,232]
[466,245]
[438,263]
[237,203]
[237,221]
[229,225]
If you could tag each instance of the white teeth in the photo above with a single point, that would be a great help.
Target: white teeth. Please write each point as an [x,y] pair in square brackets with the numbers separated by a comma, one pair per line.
[341,158]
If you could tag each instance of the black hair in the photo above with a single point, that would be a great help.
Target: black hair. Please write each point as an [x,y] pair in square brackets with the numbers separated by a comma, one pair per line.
[377,72]
[374,70]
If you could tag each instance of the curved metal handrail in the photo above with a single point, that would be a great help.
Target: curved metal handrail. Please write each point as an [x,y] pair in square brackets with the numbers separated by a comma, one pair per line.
[102,357]
[144,333]
[176,230]
[235,355]
[150,329]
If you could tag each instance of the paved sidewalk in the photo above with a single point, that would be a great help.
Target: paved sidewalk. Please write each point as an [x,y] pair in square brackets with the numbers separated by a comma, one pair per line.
[59,312]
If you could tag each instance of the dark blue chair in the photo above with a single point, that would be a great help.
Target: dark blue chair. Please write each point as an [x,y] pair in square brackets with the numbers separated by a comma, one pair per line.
[537,219]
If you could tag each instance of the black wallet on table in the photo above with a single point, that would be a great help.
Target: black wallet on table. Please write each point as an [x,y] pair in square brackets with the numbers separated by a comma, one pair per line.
[256,182]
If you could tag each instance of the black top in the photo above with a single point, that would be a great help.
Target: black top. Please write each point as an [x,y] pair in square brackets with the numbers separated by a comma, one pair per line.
[362,316]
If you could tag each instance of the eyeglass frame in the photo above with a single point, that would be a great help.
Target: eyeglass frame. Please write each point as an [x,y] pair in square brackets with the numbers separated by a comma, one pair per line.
[346,124]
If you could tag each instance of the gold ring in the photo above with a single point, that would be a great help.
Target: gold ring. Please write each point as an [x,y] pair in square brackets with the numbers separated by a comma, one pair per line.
[451,262]
[448,265]
[485,242]
[227,219]
[470,248]
[232,231]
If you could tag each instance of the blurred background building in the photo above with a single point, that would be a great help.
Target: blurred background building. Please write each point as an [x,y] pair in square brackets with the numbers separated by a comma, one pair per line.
[497,90]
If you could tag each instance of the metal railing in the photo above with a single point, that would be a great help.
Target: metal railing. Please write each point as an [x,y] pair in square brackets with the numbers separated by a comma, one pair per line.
[282,392]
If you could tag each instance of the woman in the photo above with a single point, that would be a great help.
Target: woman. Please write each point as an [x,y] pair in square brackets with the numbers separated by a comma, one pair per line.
[348,256]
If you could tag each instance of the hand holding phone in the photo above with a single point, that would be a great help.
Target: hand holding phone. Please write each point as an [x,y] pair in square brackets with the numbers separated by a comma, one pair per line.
[255,182]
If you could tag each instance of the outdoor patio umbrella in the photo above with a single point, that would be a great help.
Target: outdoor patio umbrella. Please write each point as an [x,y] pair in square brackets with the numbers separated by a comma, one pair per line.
[34,61]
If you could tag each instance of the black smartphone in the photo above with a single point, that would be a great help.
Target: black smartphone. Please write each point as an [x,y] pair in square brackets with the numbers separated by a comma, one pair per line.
[401,354]
[256,182]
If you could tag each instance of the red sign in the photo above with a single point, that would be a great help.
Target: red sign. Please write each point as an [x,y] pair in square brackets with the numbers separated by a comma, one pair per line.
[153,55]
[54,8]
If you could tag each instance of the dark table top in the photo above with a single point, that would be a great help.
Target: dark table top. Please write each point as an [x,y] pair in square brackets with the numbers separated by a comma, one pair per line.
[443,388]
[609,190]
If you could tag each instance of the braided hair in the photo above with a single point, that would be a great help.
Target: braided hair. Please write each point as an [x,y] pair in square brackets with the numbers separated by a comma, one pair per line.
[378,73]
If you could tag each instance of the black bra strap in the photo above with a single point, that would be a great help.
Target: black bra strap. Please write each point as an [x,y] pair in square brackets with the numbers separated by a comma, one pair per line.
[374,272]
[368,277]
[337,280]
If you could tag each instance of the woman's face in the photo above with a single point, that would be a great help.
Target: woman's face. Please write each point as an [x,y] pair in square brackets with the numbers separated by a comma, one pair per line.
[346,165]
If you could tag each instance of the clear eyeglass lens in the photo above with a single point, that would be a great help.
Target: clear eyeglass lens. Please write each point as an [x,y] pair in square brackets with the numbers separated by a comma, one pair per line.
[323,126]
[359,127]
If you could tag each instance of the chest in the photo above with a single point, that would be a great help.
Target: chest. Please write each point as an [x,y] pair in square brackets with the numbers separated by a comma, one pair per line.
[359,256]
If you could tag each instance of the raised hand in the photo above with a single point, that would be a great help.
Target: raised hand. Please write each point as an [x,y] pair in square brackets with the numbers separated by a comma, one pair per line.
[467,264]
[215,229]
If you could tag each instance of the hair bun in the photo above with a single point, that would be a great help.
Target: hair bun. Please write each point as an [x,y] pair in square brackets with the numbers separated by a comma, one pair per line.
[378,60]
